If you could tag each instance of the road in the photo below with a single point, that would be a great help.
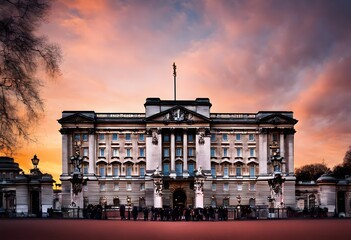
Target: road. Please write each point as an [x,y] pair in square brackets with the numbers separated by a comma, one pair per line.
[36,229]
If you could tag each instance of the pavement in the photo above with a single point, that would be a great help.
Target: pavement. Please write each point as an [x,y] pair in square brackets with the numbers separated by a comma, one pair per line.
[81,229]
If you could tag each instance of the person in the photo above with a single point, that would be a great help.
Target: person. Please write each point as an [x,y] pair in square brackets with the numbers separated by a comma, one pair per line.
[122,210]
[135,213]
[146,214]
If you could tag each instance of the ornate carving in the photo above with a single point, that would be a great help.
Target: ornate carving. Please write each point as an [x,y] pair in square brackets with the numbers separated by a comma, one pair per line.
[202,136]
[178,115]
[154,137]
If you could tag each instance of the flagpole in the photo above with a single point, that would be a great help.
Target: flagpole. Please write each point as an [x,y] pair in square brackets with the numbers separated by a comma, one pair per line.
[175,83]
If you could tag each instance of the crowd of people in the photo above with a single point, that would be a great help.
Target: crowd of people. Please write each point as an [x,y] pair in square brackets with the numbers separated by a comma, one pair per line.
[174,214]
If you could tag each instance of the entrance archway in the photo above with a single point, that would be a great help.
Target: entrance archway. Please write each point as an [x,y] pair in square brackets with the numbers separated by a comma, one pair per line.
[35,202]
[179,198]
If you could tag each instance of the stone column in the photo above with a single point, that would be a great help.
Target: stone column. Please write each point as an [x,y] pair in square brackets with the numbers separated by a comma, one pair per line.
[282,151]
[92,153]
[262,158]
[65,149]
[291,153]
[185,151]
[172,151]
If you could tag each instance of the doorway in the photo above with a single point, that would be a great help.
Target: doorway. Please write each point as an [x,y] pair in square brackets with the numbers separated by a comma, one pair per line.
[35,203]
[179,198]
[341,201]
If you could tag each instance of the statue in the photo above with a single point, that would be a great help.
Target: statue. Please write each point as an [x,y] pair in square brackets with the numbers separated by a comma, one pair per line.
[154,137]
[199,171]
[201,137]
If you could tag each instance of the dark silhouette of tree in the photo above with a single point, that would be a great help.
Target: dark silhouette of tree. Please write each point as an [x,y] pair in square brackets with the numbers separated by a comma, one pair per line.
[344,169]
[311,172]
[22,55]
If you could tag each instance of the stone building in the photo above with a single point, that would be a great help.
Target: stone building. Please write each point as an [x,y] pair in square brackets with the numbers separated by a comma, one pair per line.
[178,153]
[328,192]
[23,194]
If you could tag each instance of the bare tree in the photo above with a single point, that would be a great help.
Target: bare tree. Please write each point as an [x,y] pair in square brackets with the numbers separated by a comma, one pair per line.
[22,55]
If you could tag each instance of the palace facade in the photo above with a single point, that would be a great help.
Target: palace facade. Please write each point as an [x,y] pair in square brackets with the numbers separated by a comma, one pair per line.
[179,153]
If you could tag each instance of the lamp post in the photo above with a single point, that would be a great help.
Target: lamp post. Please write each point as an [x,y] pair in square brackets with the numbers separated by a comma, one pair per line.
[239,205]
[35,162]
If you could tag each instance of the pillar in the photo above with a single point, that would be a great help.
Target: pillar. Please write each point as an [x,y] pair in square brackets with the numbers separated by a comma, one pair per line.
[185,150]
[262,158]
[91,169]
[65,148]
[172,151]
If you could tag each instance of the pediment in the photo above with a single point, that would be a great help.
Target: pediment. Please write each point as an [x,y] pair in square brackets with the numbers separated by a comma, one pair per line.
[76,118]
[278,119]
[177,114]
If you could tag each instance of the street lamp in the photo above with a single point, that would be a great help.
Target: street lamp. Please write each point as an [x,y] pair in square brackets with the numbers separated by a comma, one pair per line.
[35,161]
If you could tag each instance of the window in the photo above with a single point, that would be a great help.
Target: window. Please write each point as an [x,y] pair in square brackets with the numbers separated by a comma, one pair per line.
[101,152]
[85,168]
[102,187]
[213,170]
[251,137]
[85,137]
[142,186]
[102,137]
[178,137]
[129,171]
[238,171]
[238,137]
[225,202]
[102,171]
[252,152]
[115,171]
[213,137]
[165,138]
[225,137]
[129,186]
[225,186]
[191,168]
[165,168]
[114,137]
[128,152]
[191,152]
[213,202]
[179,152]
[141,152]
[275,137]
[166,152]
[142,171]
[214,186]
[239,152]
[225,171]
[76,137]
[240,187]
[116,187]
[116,201]
[190,138]
[128,137]
[213,152]
[252,171]
[141,137]
[86,152]
[115,152]
[225,152]
[252,186]
[179,169]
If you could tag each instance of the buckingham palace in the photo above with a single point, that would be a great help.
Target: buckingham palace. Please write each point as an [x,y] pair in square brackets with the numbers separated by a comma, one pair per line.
[178,154]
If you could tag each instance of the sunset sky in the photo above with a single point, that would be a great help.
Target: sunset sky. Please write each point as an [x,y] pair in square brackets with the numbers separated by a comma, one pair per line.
[245,56]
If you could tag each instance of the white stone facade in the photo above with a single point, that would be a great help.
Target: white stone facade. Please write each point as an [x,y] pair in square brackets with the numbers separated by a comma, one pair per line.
[234,150]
